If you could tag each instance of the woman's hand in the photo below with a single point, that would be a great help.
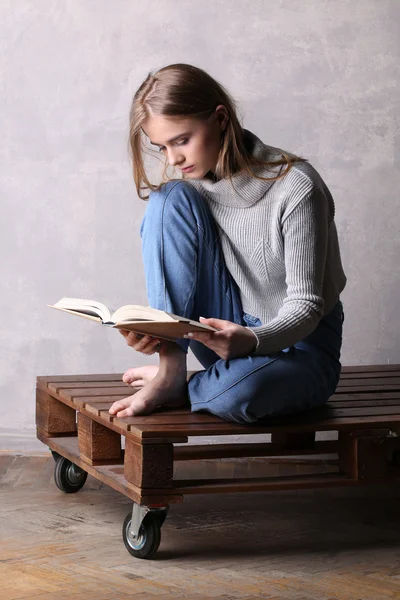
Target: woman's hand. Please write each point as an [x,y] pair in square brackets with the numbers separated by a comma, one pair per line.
[230,341]
[141,343]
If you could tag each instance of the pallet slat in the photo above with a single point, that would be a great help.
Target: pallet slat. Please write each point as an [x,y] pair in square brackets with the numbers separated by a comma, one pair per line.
[382,382]
[370,368]
[299,482]
[71,394]
[89,385]
[345,424]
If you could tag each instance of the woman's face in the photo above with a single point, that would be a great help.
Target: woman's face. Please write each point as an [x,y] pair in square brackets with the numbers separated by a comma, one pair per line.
[187,141]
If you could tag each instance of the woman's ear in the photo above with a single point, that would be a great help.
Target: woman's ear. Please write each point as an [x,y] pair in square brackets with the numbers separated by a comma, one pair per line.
[222,116]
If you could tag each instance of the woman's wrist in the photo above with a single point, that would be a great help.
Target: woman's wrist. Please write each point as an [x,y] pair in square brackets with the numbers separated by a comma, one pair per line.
[257,340]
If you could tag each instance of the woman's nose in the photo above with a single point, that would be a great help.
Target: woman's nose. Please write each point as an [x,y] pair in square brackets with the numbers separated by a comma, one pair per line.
[175,158]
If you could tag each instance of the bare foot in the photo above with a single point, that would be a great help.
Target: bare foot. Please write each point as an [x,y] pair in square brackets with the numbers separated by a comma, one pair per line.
[167,388]
[157,392]
[138,377]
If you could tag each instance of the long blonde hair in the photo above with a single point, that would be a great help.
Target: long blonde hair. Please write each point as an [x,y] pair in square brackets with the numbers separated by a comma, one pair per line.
[182,90]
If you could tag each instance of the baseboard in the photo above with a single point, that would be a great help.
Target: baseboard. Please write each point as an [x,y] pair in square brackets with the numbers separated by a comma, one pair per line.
[21,442]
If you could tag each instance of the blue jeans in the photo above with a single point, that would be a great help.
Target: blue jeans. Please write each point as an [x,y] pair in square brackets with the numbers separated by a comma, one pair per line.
[186,274]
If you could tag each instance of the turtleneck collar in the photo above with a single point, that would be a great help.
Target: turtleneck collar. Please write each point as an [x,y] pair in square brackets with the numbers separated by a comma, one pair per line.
[244,190]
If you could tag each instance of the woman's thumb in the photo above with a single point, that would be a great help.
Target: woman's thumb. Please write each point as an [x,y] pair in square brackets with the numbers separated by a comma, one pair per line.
[216,323]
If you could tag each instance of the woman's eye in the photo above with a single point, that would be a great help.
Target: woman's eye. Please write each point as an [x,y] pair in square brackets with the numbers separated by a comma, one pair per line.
[181,143]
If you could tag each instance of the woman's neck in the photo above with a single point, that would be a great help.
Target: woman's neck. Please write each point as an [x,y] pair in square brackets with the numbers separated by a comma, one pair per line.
[211,176]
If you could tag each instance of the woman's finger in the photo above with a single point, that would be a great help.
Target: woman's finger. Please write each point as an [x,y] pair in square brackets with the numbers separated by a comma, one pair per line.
[142,343]
[151,347]
[199,336]
[146,342]
[133,339]
[147,346]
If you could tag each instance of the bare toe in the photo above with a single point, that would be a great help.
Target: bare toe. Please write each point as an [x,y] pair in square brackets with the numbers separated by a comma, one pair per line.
[128,376]
[127,412]
[120,405]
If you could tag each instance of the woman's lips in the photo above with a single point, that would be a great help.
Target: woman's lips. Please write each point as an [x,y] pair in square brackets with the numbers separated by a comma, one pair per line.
[187,169]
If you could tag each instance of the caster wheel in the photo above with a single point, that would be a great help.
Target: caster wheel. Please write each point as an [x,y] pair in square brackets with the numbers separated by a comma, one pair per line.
[55,455]
[146,544]
[69,478]
[160,515]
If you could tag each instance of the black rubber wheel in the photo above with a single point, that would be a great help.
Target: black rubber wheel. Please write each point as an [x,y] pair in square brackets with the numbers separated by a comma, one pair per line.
[55,455]
[69,478]
[149,538]
[161,515]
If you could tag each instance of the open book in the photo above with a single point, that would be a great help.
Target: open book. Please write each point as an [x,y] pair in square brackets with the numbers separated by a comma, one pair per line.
[141,319]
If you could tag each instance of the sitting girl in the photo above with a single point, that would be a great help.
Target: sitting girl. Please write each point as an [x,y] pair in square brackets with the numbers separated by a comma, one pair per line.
[244,241]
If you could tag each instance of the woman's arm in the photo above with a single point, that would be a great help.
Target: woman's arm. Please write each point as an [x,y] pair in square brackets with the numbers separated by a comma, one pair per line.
[305,229]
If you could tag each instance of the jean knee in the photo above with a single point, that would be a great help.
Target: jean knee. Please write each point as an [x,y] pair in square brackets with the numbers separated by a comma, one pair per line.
[172,210]
[229,405]
[237,409]
[176,195]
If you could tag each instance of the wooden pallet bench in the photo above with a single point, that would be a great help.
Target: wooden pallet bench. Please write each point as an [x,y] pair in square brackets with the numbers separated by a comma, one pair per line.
[73,421]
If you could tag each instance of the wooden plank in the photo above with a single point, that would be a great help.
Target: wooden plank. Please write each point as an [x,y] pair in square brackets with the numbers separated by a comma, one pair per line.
[368,411]
[370,368]
[253,484]
[364,396]
[57,386]
[365,403]
[98,407]
[251,449]
[372,375]
[94,377]
[292,482]
[367,388]
[126,423]
[71,393]
[382,382]
[287,425]
[83,401]
[170,417]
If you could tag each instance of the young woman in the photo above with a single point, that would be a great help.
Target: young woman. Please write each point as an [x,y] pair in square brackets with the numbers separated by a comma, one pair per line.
[245,241]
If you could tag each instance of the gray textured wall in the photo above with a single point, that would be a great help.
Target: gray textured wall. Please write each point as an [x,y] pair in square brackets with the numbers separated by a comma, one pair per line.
[316,77]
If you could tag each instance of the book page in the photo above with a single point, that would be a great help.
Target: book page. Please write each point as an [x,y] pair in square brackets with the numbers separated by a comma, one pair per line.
[135,312]
[77,313]
[86,307]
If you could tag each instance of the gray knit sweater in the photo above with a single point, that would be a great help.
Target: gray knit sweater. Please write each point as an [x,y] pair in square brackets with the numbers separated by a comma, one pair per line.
[280,245]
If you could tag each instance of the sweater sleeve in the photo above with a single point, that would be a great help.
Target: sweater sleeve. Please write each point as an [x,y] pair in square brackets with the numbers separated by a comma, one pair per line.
[305,229]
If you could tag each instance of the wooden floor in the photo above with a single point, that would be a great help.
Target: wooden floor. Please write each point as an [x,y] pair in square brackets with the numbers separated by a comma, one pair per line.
[310,545]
